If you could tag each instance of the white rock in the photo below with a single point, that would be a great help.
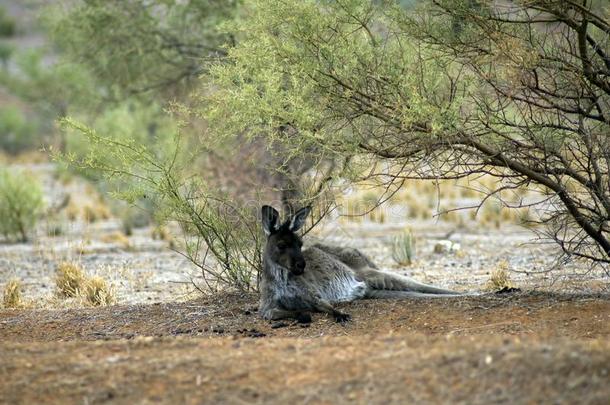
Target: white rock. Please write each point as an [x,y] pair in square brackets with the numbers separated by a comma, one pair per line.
[446,246]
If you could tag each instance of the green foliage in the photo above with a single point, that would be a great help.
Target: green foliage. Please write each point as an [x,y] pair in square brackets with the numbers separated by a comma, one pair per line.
[403,248]
[408,4]
[53,89]
[7,24]
[17,131]
[128,122]
[223,240]
[6,51]
[21,204]
[440,90]
[141,45]
[338,72]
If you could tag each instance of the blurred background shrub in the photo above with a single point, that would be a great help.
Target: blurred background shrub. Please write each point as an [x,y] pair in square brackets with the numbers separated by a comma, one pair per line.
[21,205]
[18,132]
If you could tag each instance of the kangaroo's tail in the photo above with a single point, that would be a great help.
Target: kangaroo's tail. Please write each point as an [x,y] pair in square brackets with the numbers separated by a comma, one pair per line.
[408,284]
[389,294]
[384,283]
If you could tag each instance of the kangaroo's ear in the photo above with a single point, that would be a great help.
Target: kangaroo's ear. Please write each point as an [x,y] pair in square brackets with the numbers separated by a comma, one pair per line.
[270,219]
[298,220]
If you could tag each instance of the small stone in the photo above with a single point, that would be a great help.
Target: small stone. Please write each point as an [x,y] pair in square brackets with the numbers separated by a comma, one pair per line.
[446,246]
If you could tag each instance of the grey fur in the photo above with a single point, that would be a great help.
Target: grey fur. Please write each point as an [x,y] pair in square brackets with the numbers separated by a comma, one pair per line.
[294,281]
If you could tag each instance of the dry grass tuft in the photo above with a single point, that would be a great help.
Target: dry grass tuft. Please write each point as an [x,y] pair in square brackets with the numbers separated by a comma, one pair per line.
[12,294]
[93,213]
[500,277]
[90,212]
[161,233]
[72,211]
[69,280]
[378,215]
[118,238]
[97,292]
[30,157]
[72,282]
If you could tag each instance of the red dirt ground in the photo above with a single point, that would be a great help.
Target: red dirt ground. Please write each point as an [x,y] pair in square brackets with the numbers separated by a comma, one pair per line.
[521,348]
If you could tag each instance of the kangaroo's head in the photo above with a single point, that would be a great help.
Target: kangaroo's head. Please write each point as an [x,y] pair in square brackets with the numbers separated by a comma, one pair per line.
[283,244]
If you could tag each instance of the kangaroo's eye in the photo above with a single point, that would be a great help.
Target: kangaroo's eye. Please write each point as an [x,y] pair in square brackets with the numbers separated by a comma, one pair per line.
[281,246]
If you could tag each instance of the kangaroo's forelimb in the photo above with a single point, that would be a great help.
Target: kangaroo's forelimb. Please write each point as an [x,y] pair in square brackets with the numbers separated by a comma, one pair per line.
[278,313]
[321,305]
[275,314]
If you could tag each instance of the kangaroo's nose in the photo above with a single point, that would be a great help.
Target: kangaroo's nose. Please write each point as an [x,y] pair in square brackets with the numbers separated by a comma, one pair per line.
[300,266]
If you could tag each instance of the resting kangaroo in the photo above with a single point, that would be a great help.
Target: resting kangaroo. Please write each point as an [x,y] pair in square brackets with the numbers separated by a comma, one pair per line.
[296,281]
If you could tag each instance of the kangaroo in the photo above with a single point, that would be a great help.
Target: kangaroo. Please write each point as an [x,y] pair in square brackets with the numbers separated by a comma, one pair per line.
[295,282]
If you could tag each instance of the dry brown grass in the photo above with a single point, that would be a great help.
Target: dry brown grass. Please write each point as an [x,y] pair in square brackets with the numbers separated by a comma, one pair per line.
[12,294]
[118,238]
[70,280]
[159,233]
[89,212]
[421,197]
[30,157]
[96,212]
[163,233]
[378,215]
[508,215]
[72,211]
[500,277]
[98,293]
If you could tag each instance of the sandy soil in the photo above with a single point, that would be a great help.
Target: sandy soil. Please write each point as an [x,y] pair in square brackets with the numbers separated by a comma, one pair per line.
[519,348]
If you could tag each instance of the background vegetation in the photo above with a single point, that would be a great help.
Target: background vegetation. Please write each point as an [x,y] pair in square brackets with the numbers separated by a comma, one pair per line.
[197,111]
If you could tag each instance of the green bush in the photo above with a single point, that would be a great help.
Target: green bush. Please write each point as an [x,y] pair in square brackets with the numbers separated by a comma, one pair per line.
[17,132]
[6,51]
[21,204]
[7,24]
[126,122]
[221,238]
